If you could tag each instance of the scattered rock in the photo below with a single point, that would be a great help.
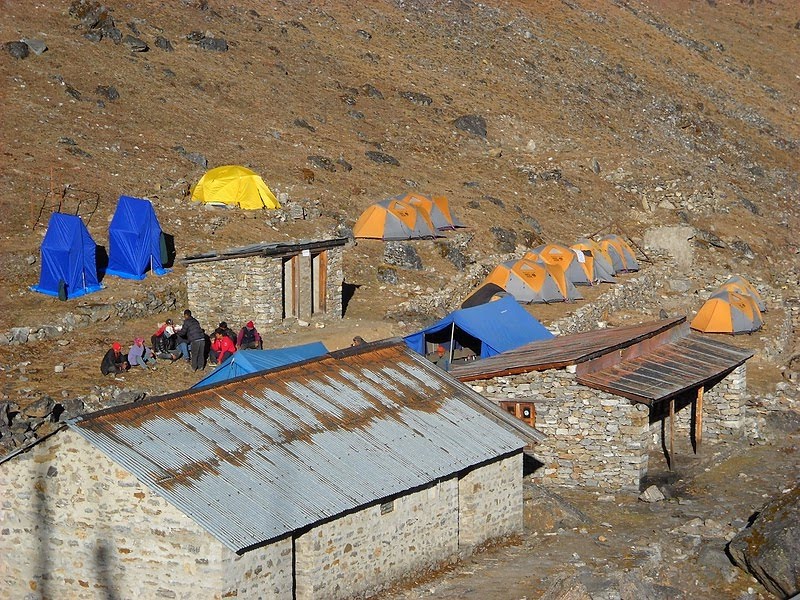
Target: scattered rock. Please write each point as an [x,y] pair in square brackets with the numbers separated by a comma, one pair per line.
[371,91]
[344,164]
[196,158]
[364,34]
[417,98]
[505,239]
[31,260]
[566,587]
[38,47]
[322,162]
[135,44]
[402,254]
[770,548]
[305,125]
[474,124]
[58,368]
[40,408]
[109,92]
[20,334]
[652,494]
[382,157]
[709,238]
[595,166]
[386,274]
[743,249]
[18,50]
[213,44]
[164,44]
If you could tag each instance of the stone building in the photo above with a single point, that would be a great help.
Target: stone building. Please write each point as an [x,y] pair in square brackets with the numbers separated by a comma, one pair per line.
[606,398]
[267,283]
[325,479]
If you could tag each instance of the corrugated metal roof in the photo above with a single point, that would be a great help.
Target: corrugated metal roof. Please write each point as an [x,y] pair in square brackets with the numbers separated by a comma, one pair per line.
[257,458]
[561,351]
[668,370]
[266,249]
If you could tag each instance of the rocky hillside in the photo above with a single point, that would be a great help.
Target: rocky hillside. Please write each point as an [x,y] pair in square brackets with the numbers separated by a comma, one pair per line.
[541,121]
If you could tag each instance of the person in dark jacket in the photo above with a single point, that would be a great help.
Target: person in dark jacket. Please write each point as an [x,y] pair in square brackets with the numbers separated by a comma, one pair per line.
[190,332]
[114,361]
[249,338]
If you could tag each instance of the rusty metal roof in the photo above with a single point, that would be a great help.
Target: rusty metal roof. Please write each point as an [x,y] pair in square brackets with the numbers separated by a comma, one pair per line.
[278,249]
[561,351]
[254,459]
[668,370]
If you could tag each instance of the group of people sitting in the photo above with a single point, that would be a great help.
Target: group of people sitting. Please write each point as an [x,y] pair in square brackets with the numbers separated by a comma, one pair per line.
[187,340]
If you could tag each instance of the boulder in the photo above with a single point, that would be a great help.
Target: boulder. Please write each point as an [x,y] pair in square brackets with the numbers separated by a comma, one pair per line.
[382,157]
[18,49]
[135,44]
[769,549]
[474,124]
[417,98]
[505,239]
[386,274]
[675,240]
[652,494]
[40,409]
[38,47]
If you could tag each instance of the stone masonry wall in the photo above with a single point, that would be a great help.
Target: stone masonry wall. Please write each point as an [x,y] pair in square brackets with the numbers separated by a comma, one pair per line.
[73,524]
[594,439]
[237,291]
[262,573]
[637,292]
[363,551]
[490,502]
[244,289]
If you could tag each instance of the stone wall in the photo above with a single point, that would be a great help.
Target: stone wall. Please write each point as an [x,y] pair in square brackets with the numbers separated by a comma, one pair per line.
[636,293]
[251,288]
[148,302]
[364,551]
[262,573]
[594,439]
[361,552]
[489,501]
[73,524]
[597,439]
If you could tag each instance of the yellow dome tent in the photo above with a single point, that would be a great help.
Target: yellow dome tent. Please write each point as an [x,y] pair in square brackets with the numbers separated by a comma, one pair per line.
[234,185]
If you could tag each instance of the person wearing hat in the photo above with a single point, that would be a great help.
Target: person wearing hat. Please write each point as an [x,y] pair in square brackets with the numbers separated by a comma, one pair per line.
[114,361]
[140,355]
[163,340]
[249,338]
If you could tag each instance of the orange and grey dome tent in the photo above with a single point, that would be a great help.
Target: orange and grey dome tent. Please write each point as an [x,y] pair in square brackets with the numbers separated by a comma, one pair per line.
[622,256]
[740,285]
[393,220]
[531,282]
[437,207]
[728,312]
[562,257]
[597,264]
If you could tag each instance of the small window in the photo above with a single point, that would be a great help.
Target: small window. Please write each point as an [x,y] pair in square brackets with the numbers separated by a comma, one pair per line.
[387,507]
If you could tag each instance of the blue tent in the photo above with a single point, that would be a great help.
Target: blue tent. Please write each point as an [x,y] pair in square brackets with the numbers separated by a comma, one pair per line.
[134,240]
[69,269]
[495,326]
[245,362]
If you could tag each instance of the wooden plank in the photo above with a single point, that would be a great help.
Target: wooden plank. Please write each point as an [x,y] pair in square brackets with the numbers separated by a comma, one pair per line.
[698,419]
[671,433]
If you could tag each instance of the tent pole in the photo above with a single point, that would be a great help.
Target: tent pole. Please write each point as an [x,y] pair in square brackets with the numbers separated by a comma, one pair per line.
[452,337]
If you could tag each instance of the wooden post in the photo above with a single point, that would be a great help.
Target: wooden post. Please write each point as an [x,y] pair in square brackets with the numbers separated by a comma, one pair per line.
[698,419]
[671,433]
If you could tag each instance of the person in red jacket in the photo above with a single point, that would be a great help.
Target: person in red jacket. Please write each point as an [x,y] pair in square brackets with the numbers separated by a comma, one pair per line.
[221,348]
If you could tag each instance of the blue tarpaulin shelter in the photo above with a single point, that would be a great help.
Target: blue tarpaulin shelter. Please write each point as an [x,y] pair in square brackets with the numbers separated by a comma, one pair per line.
[245,362]
[497,326]
[68,251]
[134,240]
